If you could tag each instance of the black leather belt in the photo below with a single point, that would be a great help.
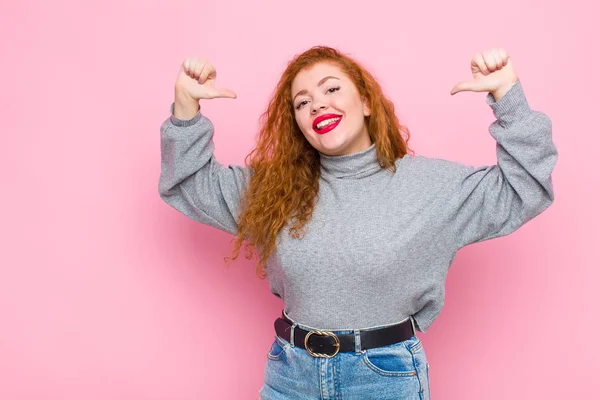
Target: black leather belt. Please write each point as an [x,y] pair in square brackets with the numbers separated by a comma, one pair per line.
[327,344]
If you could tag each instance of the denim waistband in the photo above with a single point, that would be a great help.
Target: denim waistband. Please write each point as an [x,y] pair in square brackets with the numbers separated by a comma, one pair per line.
[344,331]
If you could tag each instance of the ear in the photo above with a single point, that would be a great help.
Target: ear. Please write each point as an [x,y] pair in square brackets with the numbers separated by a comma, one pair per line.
[366,109]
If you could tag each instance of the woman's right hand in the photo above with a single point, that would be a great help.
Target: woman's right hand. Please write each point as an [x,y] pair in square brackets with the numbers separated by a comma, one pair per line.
[196,80]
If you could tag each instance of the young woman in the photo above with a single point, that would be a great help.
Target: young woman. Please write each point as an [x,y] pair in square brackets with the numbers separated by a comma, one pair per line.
[354,234]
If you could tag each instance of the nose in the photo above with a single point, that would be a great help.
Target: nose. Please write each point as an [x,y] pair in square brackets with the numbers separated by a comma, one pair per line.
[317,106]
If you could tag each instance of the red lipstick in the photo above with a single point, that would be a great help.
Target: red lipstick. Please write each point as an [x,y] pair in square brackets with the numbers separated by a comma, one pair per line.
[326,128]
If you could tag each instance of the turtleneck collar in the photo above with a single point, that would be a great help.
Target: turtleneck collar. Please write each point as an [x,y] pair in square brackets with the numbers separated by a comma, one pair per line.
[355,165]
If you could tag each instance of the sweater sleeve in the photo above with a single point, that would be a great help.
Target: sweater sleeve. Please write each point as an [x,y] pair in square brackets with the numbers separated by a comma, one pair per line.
[492,201]
[192,181]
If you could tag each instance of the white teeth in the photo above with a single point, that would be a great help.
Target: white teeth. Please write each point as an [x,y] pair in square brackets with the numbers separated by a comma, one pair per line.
[326,122]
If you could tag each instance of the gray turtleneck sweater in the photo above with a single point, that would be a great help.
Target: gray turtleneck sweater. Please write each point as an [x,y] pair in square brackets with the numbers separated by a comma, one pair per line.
[379,244]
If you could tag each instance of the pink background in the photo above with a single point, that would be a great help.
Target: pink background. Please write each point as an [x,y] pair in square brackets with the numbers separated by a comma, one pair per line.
[108,293]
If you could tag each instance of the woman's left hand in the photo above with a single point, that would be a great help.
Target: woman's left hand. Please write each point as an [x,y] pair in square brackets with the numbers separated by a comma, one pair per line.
[492,72]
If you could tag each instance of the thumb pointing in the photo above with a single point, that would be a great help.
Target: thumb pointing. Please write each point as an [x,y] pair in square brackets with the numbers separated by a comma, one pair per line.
[473,86]
[225,93]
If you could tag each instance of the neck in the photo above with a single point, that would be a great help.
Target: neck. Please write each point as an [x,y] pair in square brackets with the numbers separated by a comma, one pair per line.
[356,164]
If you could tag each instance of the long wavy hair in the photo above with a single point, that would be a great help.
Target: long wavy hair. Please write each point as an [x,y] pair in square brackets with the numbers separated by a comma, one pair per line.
[286,168]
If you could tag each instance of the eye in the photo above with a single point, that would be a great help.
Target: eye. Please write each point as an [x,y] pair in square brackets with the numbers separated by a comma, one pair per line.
[330,90]
[299,106]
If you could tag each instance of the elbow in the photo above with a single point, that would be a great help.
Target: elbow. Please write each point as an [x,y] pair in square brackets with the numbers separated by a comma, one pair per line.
[548,197]
[539,205]
[546,203]
[165,187]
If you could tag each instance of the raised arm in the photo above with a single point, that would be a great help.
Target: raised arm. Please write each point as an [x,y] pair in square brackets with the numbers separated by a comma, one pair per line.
[191,179]
[491,201]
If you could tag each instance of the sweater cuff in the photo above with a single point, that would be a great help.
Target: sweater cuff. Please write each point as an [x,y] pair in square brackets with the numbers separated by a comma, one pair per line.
[511,107]
[184,122]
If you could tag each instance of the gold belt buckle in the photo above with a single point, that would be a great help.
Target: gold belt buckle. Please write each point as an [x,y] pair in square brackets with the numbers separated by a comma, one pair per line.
[322,333]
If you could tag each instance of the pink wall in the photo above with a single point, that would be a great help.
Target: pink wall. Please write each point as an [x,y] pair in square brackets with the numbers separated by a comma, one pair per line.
[108,293]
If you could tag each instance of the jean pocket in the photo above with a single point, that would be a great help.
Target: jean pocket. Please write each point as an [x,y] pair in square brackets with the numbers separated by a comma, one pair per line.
[392,360]
[277,349]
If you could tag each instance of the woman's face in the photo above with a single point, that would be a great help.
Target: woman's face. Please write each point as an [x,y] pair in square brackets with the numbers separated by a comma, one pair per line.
[329,110]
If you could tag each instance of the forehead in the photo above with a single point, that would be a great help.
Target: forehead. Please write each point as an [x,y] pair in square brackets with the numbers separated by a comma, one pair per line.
[310,77]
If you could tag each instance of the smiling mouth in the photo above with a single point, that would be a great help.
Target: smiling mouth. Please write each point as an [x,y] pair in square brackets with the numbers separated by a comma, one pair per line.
[327,125]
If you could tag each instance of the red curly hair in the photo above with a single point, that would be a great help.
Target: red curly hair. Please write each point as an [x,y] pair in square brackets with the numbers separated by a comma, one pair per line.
[286,168]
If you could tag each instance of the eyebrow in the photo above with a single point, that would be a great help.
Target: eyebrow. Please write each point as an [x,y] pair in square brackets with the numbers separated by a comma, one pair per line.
[322,81]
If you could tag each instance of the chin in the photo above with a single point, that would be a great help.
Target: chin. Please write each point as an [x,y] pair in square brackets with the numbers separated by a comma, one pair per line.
[333,151]
[333,145]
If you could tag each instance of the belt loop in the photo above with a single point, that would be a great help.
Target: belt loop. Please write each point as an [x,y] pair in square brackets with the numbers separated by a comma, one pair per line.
[292,334]
[357,341]
[412,322]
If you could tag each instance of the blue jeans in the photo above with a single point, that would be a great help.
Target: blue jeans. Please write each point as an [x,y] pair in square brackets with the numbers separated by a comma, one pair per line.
[399,371]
